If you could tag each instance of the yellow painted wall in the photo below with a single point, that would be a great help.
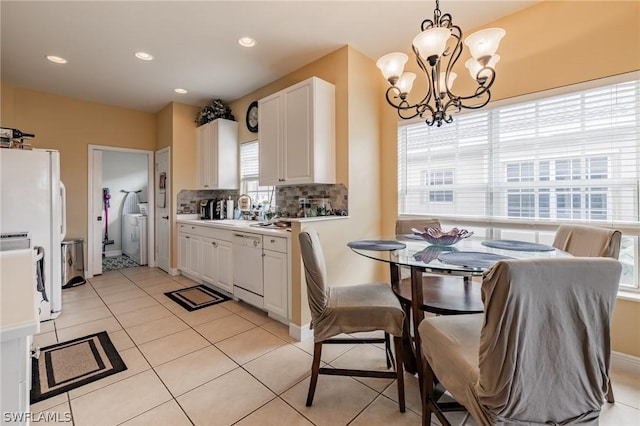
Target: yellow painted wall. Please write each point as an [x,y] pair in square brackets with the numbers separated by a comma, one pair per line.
[176,129]
[551,44]
[70,125]
[357,157]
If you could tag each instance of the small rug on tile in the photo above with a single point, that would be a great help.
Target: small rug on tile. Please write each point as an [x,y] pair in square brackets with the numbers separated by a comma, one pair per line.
[68,365]
[117,262]
[197,297]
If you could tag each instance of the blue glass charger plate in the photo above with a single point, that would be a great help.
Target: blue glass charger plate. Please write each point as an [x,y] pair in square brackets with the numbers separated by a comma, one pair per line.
[471,259]
[516,245]
[380,245]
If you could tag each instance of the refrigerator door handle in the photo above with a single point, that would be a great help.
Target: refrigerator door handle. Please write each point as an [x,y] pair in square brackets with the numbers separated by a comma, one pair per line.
[63,200]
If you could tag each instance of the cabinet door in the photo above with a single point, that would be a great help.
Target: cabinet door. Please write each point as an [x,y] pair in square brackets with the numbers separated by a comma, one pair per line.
[211,155]
[209,260]
[270,140]
[203,136]
[183,251]
[274,266]
[298,134]
[193,258]
[225,266]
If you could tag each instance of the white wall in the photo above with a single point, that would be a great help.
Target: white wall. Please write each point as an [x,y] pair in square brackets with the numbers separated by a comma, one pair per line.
[122,171]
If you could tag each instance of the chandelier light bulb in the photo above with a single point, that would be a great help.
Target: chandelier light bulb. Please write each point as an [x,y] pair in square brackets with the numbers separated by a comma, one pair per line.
[392,65]
[432,42]
[405,83]
[449,82]
[484,43]
[474,67]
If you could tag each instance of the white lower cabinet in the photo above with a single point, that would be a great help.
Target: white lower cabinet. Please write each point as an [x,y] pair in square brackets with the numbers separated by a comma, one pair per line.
[189,254]
[217,263]
[205,254]
[275,266]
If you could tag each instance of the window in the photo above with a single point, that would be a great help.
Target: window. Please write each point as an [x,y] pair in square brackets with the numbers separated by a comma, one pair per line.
[249,175]
[438,179]
[566,158]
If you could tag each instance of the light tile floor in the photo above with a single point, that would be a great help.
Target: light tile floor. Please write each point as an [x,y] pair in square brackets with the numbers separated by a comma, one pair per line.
[227,364]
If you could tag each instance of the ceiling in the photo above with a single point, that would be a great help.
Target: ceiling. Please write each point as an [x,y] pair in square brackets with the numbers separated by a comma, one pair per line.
[195,46]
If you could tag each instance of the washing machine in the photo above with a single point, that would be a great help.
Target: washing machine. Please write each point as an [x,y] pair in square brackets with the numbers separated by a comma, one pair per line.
[134,237]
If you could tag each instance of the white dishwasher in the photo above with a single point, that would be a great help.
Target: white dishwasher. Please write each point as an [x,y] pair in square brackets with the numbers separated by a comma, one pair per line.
[247,268]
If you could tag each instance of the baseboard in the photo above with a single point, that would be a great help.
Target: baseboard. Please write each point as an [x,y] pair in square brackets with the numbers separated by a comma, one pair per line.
[300,333]
[174,272]
[113,253]
[625,362]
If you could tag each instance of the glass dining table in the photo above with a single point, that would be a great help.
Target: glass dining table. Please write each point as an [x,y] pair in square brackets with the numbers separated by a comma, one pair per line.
[466,259]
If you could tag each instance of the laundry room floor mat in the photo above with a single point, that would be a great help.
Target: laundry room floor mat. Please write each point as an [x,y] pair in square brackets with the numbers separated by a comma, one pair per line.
[117,262]
[197,297]
[68,365]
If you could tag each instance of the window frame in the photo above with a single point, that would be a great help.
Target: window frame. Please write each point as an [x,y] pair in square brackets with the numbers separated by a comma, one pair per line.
[586,185]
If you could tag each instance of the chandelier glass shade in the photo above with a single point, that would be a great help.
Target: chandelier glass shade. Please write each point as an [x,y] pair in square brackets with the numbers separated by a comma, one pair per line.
[437,48]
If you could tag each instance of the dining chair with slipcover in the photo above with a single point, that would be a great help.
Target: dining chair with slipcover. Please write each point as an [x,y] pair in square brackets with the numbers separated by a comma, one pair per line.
[348,309]
[589,241]
[540,354]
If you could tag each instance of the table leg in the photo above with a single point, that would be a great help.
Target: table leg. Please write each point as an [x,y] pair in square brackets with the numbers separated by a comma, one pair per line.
[408,352]
[418,315]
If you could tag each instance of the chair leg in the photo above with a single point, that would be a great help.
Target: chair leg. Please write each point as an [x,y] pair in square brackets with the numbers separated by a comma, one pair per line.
[429,404]
[315,369]
[397,342]
[387,349]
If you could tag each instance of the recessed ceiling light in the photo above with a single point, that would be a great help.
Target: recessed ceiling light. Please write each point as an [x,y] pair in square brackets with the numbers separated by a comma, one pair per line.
[144,56]
[57,59]
[181,91]
[246,42]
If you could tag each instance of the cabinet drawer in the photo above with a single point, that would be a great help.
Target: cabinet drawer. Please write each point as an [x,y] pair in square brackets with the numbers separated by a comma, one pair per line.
[274,243]
[205,231]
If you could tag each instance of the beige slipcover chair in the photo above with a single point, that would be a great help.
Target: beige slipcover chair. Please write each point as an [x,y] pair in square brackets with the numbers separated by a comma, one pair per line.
[541,353]
[589,241]
[348,309]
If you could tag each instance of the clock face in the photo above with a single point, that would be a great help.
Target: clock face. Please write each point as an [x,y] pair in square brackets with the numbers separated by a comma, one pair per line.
[252,117]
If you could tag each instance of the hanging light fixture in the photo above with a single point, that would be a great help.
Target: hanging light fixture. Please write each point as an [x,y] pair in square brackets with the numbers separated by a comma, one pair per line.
[437,48]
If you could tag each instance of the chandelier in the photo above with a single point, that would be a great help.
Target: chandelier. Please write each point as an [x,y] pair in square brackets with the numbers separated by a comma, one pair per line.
[437,48]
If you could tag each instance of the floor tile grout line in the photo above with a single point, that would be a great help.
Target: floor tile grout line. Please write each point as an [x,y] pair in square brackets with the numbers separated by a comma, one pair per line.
[151,367]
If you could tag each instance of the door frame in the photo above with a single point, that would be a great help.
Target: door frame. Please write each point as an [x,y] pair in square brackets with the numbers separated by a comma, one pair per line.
[90,267]
[168,197]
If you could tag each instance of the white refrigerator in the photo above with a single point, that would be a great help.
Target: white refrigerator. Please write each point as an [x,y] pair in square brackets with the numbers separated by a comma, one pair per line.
[32,199]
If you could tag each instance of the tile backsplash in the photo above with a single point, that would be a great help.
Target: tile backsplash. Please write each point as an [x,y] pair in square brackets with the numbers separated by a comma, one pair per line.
[288,199]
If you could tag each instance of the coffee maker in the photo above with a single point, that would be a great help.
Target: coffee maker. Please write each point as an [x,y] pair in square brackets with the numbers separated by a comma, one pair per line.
[207,209]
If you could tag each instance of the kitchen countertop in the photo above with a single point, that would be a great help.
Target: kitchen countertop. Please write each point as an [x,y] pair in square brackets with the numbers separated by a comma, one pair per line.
[234,225]
[250,225]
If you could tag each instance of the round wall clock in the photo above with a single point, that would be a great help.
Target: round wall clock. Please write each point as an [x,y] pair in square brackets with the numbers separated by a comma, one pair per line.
[252,117]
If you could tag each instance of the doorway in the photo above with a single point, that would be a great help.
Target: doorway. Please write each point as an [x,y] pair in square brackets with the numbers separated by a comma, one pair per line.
[115,174]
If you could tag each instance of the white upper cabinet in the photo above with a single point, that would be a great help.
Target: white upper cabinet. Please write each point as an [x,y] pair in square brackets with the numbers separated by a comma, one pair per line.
[297,134]
[217,155]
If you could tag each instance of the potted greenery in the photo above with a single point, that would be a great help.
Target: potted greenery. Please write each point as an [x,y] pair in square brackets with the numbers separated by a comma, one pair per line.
[216,109]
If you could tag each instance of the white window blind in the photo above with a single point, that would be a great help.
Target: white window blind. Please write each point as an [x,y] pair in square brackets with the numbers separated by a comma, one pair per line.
[567,158]
[249,175]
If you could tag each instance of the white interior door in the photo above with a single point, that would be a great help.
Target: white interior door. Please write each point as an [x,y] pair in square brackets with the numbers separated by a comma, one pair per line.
[97,217]
[163,209]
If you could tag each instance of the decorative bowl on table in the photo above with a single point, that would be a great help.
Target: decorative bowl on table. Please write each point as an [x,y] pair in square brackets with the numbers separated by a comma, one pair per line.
[438,237]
